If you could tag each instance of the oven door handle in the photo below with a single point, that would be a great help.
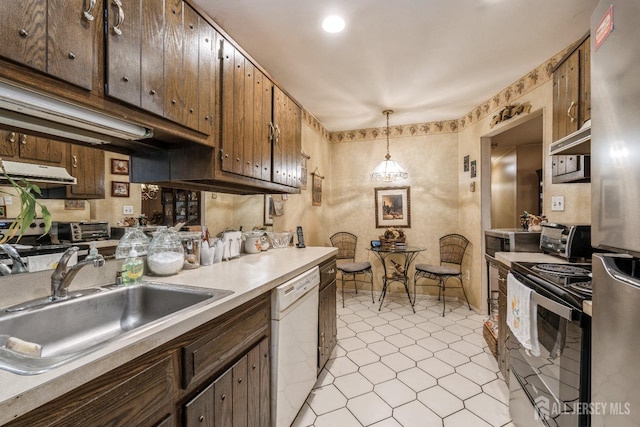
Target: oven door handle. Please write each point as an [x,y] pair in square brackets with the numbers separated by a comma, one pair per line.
[554,307]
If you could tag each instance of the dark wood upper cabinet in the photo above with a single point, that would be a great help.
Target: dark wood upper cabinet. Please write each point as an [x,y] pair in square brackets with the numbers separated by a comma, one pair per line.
[152,57]
[55,37]
[572,91]
[261,132]
[31,149]
[86,164]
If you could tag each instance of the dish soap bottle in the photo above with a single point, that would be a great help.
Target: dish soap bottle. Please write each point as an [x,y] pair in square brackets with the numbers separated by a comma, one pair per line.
[132,269]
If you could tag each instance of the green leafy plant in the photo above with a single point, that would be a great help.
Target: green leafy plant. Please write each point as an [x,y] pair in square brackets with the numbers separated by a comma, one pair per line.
[29,206]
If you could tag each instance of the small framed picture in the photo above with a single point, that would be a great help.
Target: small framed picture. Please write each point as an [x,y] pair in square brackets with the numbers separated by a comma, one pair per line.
[465,163]
[473,169]
[119,189]
[393,207]
[119,167]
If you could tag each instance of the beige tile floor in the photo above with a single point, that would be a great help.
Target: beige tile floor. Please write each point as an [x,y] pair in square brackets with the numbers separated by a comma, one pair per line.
[398,368]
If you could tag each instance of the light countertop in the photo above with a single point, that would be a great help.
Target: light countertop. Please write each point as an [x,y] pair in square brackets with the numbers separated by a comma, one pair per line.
[248,276]
[587,307]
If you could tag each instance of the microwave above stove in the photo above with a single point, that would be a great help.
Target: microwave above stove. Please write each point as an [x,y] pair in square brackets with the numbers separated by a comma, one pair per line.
[81,231]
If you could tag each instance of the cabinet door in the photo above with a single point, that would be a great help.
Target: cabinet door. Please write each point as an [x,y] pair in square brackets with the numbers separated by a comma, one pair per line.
[9,144]
[173,66]
[123,51]
[566,81]
[240,393]
[41,150]
[232,101]
[23,32]
[327,324]
[223,400]
[199,410]
[585,81]
[86,164]
[71,28]
[206,76]
[191,49]
[152,57]
[263,101]
[287,143]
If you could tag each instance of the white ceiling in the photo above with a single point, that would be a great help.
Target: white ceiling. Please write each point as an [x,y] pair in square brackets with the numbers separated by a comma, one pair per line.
[427,60]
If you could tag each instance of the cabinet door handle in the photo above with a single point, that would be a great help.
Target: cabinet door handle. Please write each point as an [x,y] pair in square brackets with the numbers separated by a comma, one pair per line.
[12,137]
[272,131]
[74,162]
[571,118]
[277,133]
[23,139]
[88,14]
[116,28]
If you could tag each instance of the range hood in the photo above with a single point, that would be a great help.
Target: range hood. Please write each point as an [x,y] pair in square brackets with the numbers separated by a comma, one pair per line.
[36,173]
[25,109]
[578,142]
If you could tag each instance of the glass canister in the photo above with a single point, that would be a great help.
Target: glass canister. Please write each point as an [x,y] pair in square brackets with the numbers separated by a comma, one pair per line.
[134,238]
[166,254]
[191,244]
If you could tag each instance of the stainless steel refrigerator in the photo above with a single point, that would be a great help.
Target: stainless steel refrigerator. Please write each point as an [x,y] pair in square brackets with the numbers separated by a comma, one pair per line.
[615,201]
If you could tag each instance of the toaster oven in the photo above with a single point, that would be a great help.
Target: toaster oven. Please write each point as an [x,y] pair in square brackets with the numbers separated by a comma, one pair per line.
[81,231]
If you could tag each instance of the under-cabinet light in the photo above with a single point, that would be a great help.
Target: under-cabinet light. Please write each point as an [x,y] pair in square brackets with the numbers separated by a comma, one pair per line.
[30,110]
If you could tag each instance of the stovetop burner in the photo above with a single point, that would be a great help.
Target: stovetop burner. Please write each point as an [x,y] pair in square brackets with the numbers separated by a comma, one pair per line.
[561,269]
[558,279]
[582,287]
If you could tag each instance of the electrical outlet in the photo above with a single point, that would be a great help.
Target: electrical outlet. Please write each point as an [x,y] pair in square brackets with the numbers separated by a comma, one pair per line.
[127,209]
[557,203]
[8,200]
[468,274]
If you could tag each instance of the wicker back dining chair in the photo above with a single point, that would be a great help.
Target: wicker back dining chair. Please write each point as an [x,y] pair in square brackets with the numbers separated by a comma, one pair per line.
[452,249]
[357,272]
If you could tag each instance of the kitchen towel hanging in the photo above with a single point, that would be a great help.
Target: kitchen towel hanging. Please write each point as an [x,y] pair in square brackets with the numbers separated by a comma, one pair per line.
[522,314]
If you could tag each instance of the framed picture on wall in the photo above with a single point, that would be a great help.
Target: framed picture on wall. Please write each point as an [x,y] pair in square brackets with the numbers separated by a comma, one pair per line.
[119,189]
[268,209]
[393,207]
[119,167]
[473,169]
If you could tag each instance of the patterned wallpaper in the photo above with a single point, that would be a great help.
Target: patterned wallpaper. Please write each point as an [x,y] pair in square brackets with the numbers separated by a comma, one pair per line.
[523,85]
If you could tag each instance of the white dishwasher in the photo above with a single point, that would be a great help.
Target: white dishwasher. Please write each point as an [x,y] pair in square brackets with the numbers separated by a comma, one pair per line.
[294,345]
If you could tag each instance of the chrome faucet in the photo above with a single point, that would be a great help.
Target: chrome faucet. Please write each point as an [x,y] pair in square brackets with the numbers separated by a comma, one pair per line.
[18,266]
[63,275]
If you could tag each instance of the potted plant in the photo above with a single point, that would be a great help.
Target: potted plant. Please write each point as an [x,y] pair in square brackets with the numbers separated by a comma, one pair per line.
[29,206]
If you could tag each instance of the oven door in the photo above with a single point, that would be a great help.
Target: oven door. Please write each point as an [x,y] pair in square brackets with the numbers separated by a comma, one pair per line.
[551,381]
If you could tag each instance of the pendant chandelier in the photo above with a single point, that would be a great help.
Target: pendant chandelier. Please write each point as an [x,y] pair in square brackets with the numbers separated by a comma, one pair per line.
[388,170]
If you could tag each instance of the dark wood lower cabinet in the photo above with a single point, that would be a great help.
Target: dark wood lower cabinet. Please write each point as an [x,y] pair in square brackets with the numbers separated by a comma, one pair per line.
[327,315]
[238,397]
[232,390]
[503,329]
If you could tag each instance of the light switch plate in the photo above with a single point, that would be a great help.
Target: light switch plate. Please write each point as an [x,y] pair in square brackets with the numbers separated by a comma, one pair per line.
[127,209]
[557,203]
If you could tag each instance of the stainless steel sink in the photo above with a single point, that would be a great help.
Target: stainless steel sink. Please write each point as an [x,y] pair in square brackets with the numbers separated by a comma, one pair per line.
[69,329]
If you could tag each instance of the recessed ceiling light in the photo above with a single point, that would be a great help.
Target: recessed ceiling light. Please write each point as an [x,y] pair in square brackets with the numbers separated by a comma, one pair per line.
[333,24]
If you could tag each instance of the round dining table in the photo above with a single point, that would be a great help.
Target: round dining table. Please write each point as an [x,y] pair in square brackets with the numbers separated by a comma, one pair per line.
[397,272]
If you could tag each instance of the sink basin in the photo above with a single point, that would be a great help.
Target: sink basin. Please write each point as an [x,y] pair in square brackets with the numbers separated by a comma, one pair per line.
[69,329]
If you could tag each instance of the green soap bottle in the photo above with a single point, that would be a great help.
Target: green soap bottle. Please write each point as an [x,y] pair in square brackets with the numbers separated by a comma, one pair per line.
[132,269]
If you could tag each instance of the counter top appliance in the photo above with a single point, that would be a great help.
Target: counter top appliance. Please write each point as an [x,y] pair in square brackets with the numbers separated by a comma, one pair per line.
[567,241]
[81,231]
[615,204]
[511,240]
